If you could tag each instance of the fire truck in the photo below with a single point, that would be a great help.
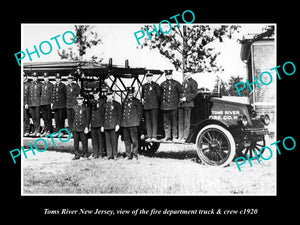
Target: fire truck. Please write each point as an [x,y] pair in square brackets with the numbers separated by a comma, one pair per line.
[220,129]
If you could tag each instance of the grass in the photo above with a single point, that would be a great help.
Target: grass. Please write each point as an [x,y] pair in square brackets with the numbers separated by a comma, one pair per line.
[175,171]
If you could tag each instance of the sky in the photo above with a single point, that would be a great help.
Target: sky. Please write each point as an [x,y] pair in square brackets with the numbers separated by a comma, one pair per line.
[119,43]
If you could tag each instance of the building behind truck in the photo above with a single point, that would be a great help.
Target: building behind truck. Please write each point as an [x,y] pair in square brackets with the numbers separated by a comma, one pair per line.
[258,52]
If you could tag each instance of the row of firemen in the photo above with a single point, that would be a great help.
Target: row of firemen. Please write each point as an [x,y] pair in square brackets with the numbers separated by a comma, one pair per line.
[175,101]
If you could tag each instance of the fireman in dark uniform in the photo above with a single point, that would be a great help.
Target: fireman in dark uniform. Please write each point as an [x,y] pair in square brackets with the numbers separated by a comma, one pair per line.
[132,111]
[59,103]
[46,99]
[72,91]
[80,128]
[170,93]
[34,102]
[26,114]
[189,92]
[97,138]
[110,124]
[150,100]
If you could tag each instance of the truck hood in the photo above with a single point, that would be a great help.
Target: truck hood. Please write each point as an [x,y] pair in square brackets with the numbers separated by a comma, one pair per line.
[228,111]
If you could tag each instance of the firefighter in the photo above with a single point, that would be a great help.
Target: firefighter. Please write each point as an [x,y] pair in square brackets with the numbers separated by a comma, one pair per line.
[72,91]
[95,124]
[80,128]
[26,114]
[46,99]
[189,92]
[110,124]
[170,93]
[59,103]
[34,102]
[132,111]
[150,100]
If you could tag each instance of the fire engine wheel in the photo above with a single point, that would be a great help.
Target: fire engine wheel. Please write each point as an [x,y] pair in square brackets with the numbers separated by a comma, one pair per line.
[254,146]
[148,147]
[215,145]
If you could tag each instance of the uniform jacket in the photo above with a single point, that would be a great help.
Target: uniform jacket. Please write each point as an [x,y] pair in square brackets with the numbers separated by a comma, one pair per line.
[26,85]
[111,114]
[151,95]
[34,94]
[59,96]
[132,111]
[190,91]
[170,93]
[81,118]
[72,91]
[47,93]
[96,112]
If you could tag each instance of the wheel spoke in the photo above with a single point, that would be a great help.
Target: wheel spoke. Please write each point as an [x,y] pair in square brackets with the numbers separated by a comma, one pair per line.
[206,139]
[251,151]
[217,137]
[208,155]
[225,154]
[261,145]
[246,152]
[220,155]
[224,149]
[258,149]
[213,156]
[213,134]
[209,135]
[204,149]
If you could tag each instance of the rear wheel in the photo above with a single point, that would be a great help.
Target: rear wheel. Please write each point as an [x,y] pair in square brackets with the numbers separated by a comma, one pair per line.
[215,145]
[148,147]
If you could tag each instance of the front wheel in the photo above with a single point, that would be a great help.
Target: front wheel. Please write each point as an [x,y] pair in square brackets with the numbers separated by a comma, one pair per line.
[254,146]
[215,145]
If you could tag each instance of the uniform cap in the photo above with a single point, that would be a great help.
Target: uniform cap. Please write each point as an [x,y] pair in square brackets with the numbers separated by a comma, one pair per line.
[130,89]
[168,72]
[34,74]
[148,74]
[45,75]
[57,75]
[104,89]
[79,97]
[95,91]
[70,76]
[109,92]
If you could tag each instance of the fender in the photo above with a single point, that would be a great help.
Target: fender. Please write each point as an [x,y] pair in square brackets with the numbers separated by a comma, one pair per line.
[193,134]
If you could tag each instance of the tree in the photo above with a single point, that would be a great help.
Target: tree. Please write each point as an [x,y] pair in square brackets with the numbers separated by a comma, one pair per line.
[228,89]
[85,38]
[188,47]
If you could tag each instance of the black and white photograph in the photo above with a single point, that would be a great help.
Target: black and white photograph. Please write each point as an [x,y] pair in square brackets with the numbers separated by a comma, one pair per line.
[156,109]
[183,110]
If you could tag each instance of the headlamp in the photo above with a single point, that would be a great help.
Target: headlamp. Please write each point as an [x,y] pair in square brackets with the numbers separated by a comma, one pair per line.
[242,120]
[265,119]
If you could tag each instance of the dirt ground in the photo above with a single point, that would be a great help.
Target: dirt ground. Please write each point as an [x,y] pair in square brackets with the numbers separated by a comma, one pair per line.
[174,169]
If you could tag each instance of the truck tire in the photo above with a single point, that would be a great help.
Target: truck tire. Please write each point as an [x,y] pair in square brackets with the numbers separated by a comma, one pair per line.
[148,148]
[255,146]
[215,145]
